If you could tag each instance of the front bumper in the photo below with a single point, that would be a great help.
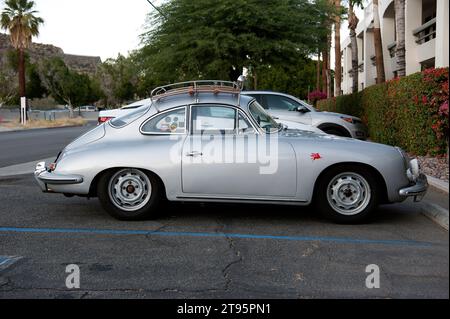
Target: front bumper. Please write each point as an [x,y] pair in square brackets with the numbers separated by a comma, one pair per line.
[418,190]
[44,178]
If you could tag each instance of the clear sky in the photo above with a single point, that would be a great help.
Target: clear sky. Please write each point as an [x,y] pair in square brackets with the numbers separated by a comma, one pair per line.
[92,27]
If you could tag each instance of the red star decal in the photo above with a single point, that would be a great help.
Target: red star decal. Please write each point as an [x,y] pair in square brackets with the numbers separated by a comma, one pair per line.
[315,156]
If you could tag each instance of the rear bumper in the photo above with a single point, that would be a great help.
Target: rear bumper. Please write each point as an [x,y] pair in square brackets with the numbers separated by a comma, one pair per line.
[359,131]
[418,190]
[44,178]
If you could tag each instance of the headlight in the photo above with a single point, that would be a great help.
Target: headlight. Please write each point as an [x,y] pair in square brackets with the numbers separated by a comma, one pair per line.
[347,119]
[415,168]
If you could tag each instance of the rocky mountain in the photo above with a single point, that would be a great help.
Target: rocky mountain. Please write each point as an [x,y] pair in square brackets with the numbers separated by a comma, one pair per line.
[37,51]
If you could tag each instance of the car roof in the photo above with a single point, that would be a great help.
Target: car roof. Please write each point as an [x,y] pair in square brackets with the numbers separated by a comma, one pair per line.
[169,102]
[276,93]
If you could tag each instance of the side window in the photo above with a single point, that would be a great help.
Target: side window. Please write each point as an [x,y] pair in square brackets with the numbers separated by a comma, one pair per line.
[276,102]
[173,122]
[213,120]
[244,126]
[260,99]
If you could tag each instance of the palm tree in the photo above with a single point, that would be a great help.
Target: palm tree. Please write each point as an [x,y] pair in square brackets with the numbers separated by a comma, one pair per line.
[399,6]
[352,24]
[19,19]
[337,48]
[381,76]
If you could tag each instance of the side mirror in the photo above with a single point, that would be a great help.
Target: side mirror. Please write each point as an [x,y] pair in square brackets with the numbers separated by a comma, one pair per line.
[302,109]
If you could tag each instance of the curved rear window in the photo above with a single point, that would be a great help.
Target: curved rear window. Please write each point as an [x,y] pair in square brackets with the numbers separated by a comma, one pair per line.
[130,117]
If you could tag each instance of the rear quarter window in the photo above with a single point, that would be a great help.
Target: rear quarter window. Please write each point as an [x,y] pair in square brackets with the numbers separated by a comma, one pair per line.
[129,117]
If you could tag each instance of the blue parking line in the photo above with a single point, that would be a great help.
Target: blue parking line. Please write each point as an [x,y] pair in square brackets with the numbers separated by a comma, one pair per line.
[213,235]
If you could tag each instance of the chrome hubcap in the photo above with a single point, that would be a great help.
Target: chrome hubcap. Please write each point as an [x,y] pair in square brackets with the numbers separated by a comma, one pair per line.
[130,189]
[349,193]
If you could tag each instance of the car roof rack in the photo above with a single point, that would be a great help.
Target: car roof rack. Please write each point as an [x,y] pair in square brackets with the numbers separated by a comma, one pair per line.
[193,88]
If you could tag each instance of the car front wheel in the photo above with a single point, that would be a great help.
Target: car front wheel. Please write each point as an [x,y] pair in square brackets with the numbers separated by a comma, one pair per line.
[347,194]
[129,194]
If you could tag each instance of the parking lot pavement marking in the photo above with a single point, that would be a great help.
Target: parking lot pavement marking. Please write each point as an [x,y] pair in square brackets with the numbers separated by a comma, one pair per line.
[217,235]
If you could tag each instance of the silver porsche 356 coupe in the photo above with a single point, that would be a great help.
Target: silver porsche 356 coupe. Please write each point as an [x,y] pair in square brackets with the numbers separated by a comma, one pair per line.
[204,141]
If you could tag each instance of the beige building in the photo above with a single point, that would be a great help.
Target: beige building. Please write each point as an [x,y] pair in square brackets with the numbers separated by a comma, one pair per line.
[426,40]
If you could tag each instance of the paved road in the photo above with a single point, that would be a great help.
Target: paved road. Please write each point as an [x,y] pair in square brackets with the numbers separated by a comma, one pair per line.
[26,146]
[212,251]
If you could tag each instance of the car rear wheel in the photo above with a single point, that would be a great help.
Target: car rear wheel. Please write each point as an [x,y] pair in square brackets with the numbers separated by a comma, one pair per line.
[347,194]
[129,194]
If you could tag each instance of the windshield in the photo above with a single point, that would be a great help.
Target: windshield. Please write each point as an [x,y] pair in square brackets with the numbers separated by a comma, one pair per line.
[264,120]
[129,117]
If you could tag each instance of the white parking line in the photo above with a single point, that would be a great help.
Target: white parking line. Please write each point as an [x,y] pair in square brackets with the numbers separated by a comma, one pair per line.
[24,168]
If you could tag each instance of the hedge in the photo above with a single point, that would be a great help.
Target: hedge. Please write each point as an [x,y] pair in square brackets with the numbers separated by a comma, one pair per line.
[410,112]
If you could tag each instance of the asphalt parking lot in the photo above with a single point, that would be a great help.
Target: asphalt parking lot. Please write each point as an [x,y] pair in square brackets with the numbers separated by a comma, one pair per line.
[212,251]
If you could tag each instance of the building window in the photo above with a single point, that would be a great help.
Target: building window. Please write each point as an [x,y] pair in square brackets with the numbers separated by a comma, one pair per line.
[427,64]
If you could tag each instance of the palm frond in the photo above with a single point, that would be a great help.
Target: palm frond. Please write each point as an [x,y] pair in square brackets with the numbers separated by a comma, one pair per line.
[21,21]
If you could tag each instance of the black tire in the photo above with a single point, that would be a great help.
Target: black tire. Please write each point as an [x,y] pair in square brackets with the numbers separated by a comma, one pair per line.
[325,203]
[337,132]
[147,211]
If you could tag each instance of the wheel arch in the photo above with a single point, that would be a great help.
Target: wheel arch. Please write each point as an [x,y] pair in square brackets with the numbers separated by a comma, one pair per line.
[378,176]
[95,180]
[337,127]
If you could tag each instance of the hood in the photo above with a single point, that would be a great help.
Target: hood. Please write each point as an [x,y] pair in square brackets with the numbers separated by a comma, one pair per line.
[325,113]
[295,133]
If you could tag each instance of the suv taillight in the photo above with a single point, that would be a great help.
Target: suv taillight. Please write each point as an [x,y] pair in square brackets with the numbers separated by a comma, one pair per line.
[104,119]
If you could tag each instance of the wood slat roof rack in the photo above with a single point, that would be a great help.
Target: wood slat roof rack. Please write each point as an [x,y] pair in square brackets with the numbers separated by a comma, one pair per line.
[195,87]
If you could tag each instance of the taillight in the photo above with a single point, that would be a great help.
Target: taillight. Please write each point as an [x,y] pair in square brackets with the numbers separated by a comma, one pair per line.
[104,119]
[52,167]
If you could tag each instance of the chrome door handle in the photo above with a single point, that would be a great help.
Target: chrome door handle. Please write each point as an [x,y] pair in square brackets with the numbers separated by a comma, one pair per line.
[194,154]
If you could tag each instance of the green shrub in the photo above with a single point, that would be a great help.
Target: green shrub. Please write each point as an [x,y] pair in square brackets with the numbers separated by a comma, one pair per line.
[345,104]
[411,112]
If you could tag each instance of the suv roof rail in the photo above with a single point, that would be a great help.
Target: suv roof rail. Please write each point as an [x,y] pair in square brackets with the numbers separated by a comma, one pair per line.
[195,87]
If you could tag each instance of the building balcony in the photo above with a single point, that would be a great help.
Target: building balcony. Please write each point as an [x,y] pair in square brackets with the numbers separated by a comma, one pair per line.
[361,67]
[392,49]
[426,32]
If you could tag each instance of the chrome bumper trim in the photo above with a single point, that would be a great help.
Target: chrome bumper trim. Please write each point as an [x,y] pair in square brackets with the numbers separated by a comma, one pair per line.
[418,190]
[44,177]
[57,179]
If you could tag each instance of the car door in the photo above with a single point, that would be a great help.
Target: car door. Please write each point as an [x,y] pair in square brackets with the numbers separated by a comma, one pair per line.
[221,157]
[284,108]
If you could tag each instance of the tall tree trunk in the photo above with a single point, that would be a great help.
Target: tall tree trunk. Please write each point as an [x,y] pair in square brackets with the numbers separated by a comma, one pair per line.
[324,70]
[352,24]
[400,25]
[328,69]
[337,49]
[22,88]
[21,72]
[379,58]
[71,113]
[318,72]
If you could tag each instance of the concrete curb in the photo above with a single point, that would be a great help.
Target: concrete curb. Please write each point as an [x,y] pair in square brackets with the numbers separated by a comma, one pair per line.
[437,183]
[436,213]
